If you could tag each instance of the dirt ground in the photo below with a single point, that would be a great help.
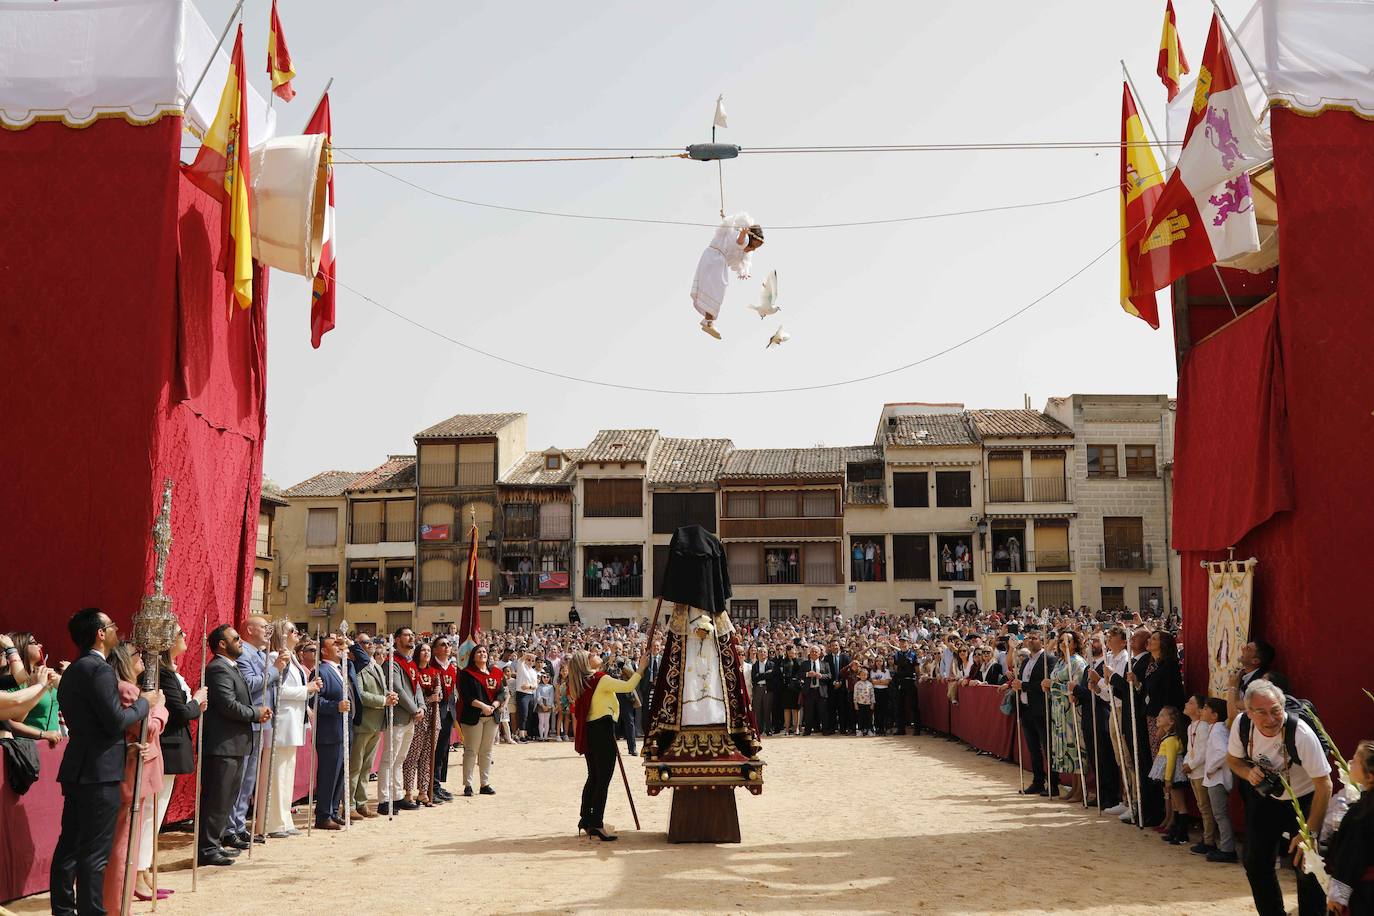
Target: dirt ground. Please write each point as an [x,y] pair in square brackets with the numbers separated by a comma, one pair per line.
[849,825]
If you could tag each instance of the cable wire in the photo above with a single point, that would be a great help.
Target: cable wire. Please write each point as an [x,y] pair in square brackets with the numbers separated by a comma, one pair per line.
[743,391]
[998,208]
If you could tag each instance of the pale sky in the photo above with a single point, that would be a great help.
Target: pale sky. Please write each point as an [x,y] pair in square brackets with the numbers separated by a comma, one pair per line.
[610,301]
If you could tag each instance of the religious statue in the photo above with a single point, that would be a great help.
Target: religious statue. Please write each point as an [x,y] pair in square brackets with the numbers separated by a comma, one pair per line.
[701,736]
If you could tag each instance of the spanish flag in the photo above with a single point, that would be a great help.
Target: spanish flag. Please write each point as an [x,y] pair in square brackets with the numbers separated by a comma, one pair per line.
[221,170]
[279,60]
[1172,63]
[1141,186]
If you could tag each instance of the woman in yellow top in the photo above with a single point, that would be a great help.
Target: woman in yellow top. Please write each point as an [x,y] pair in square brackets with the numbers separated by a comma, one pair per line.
[596,706]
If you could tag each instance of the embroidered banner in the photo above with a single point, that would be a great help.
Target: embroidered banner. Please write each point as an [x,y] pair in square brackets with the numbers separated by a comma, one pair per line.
[1230,585]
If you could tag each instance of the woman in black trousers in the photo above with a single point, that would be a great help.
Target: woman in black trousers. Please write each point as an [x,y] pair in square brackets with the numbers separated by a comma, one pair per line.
[596,706]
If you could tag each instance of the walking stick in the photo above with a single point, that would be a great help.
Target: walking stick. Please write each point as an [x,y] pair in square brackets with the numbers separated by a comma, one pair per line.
[390,720]
[1135,751]
[626,780]
[1097,751]
[1078,741]
[347,721]
[1020,766]
[314,737]
[261,741]
[1050,781]
[200,742]
[272,745]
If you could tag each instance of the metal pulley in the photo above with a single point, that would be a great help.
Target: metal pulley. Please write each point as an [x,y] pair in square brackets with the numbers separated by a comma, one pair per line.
[712,152]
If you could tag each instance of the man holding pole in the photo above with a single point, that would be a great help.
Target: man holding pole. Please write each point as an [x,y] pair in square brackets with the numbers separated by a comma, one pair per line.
[402,675]
[228,740]
[1031,713]
[371,699]
[332,707]
[259,677]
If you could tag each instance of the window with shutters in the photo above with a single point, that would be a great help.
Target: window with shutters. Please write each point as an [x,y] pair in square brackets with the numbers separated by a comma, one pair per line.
[674,510]
[744,613]
[366,523]
[782,609]
[820,503]
[742,505]
[953,488]
[555,521]
[911,557]
[322,528]
[1123,543]
[818,562]
[910,490]
[364,582]
[1102,461]
[522,521]
[1140,461]
[612,497]
[400,521]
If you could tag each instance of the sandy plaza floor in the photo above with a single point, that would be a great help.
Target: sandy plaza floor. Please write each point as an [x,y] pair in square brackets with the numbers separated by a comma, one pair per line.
[845,825]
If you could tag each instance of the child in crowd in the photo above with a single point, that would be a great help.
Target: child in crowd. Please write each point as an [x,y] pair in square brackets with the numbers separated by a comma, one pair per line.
[1350,854]
[1194,761]
[561,704]
[1166,776]
[503,705]
[543,701]
[863,702]
[1217,779]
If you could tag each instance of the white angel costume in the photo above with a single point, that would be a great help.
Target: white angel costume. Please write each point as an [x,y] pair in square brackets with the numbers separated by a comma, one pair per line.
[703,688]
[724,254]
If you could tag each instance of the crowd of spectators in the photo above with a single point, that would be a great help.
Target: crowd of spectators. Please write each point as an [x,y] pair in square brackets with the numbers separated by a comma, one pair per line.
[1097,697]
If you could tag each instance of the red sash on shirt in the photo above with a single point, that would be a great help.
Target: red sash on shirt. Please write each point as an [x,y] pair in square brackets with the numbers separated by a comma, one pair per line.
[581,709]
[411,669]
[448,676]
[490,681]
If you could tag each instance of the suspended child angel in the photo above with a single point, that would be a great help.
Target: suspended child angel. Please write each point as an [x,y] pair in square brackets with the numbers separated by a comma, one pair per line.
[729,250]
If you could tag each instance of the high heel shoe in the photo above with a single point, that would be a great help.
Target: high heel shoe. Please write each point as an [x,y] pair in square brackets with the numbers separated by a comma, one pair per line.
[601,834]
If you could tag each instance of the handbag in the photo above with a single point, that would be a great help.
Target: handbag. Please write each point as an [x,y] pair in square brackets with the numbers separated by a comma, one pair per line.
[1008,702]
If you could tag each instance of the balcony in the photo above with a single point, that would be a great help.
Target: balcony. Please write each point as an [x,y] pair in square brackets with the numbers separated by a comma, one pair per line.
[781,529]
[1027,490]
[535,584]
[1051,560]
[611,587]
[1126,558]
[461,474]
[869,493]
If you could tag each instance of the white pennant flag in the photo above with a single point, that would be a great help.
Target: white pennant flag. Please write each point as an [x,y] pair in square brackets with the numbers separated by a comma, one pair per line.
[720,112]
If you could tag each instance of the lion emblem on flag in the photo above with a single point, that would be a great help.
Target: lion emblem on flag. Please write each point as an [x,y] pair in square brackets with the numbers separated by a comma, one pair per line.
[1234,199]
[1222,137]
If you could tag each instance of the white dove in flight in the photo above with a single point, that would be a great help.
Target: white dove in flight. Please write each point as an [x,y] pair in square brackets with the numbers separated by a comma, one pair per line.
[779,337]
[769,297]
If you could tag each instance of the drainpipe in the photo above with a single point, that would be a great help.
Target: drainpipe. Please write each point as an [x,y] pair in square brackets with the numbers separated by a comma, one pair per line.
[1166,471]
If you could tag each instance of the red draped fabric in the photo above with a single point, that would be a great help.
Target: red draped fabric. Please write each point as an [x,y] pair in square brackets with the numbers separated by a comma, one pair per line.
[977,719]
[31,824]
[126,369]
[1313,557]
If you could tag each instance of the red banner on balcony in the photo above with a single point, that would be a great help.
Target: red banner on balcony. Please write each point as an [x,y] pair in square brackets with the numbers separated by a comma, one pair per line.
[553,580]
[434,532]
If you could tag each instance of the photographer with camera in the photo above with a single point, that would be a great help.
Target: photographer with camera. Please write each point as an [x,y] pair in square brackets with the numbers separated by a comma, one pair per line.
[1266,744]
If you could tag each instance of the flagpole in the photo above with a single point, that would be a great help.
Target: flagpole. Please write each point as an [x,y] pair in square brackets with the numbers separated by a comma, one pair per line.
[1235,39]
[1168,161]
[323,94]
[222,35]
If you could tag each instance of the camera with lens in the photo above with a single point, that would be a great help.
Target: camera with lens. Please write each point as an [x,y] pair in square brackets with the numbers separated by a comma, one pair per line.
[1271,786]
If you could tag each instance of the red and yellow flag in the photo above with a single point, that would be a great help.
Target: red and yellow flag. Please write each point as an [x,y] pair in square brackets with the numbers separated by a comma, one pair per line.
[221,170]
[322,290]
[279,60]
[1141,186]
[1172,63]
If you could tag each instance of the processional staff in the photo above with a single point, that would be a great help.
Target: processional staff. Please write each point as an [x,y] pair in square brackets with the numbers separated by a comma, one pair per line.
[155,630]
[347,714]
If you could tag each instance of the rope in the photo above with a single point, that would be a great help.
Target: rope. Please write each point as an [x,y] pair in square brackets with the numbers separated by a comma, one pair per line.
[743,391]
[999,208]
[720,173]
[357,161]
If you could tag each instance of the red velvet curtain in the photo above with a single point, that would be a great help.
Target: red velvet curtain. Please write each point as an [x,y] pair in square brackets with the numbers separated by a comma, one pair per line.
[1309,596]
[125,368]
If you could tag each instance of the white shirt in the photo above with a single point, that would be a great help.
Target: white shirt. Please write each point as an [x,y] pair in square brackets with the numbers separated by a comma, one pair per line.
[1197,748]
[526,677]
[1026,673]
[1116,663]
[1215,770]
[1271,754]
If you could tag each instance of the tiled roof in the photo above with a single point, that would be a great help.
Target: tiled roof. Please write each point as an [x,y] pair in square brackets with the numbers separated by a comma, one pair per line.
[469,425]
[271,493]
[936,429]
[688,461]
[620,445]
[398,473]
[1018,423]
[326,483]
[785,462]
[862,454]
[531,472]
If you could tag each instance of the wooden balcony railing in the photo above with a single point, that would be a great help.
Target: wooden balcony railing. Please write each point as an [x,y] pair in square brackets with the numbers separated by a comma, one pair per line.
[462,474]
[1027,490]
[866,494]
[1126,557]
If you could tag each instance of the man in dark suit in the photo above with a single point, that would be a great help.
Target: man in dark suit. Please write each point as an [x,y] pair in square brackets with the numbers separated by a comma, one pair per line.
[228,724]
[92,765]
[839,715]
[817,677]
[330,707]
[647,682]
[1152,803]
[1096,714]
[907,710]
[1031,709]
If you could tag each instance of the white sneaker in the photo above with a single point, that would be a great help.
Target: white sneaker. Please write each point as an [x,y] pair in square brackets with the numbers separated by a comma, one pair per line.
[1116,810]
[1128,816]
[710,328]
